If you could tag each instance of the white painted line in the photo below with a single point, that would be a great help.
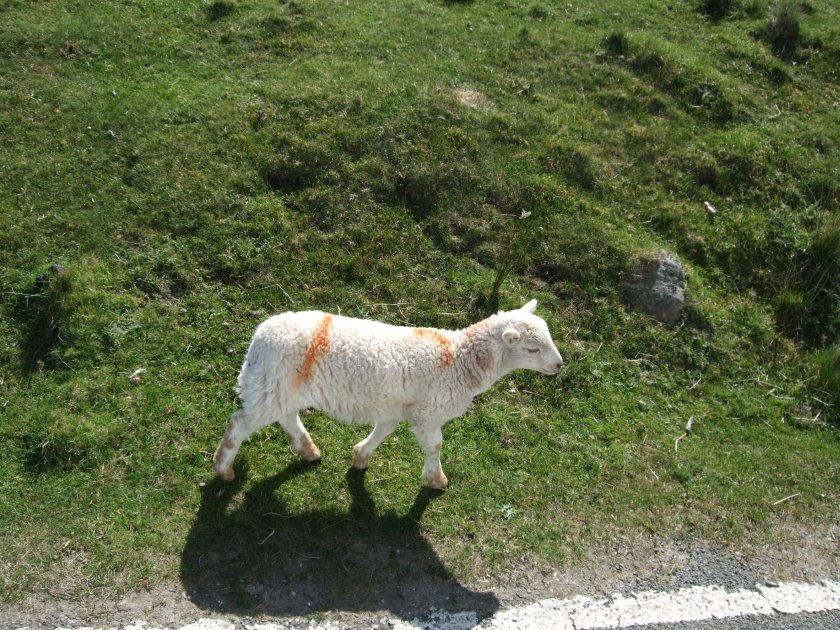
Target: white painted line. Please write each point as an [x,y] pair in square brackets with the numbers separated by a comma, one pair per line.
[209,624]
[793,598]
[689,604]
[695,603]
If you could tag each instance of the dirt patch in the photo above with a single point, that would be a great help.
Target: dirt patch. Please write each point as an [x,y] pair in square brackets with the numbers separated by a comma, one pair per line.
[643,563]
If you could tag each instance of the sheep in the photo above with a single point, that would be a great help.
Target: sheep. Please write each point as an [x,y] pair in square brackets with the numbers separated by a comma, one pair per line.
[363,371]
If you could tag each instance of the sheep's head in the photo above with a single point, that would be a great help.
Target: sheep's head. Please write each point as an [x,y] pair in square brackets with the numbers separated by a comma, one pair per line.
[527,342]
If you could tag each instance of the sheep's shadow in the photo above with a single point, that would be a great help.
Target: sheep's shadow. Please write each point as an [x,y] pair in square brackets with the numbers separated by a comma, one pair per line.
[258,558]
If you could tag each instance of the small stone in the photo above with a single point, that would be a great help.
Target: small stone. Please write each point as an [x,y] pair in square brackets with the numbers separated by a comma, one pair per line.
[657,287]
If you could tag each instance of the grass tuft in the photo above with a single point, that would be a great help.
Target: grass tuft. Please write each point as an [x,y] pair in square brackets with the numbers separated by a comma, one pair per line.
[828,363]
[784,31]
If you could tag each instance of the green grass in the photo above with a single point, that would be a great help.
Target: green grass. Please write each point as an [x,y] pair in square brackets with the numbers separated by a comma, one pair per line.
[195,167]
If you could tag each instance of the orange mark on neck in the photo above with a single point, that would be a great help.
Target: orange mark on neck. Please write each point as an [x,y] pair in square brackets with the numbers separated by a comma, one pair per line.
[441,340]
[318,346]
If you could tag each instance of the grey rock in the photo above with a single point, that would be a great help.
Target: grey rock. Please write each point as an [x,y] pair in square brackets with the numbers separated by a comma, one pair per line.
[656,286]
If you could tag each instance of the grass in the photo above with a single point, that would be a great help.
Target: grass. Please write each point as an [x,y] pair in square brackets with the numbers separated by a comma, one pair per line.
[175,173]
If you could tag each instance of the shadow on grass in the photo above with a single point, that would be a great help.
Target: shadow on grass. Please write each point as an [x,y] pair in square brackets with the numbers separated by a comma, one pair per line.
[258,558]
[42,312]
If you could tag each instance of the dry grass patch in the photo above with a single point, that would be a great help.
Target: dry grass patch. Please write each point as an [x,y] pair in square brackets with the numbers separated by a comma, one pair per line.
[474,99]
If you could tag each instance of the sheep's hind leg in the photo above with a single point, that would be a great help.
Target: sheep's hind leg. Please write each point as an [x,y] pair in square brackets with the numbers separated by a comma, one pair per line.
[364,449]
[299,437]
[238,430]
[430,441]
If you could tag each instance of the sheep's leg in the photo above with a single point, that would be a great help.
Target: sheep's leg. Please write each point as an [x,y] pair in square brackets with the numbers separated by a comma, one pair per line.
[238,430]
[430,441]
[299,437]
[364,449]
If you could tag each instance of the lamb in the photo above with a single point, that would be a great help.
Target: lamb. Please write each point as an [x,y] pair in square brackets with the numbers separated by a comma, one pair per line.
[362,371]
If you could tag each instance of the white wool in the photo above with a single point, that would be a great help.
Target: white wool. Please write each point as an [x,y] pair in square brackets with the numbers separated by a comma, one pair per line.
[370,372]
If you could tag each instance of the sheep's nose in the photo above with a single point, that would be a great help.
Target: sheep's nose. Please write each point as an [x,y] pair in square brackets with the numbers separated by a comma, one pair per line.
[559,364]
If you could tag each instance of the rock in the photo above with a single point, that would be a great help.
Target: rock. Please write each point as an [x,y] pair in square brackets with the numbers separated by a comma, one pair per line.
[657,286]
[136,378]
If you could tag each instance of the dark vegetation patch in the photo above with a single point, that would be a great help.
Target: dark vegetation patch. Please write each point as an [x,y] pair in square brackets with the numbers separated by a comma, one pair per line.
[829,371]
[538,12]
[44,311]
[809,303]
[616,44]
[164,273]
[299,164]
[67,442]
[219,10]
[288,28]
[701,92]
[572,164]
[718,9]
[784,31]
[421,161]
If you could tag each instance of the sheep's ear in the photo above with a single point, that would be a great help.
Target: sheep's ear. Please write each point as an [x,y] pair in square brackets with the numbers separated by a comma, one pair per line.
[530,307]
[510,337]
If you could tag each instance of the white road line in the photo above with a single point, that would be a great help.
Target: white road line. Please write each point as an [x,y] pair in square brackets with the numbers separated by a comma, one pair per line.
[695,603]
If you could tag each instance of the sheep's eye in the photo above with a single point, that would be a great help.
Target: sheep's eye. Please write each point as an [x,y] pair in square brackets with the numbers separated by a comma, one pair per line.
[532,350]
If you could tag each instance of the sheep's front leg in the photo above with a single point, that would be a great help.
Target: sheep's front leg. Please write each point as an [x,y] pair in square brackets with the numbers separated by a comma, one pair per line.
[430,441]
[364,449]
[299,437]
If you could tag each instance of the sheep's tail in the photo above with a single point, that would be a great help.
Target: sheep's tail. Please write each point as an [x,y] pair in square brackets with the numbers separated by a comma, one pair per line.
[241,378]
[251,370]
[259,378]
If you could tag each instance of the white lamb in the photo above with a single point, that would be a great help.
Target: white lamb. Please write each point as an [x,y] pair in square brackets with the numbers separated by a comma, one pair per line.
[369,372]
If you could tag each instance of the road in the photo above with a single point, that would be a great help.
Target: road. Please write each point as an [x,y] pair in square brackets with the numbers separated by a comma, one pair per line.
[777,606]
[647,584]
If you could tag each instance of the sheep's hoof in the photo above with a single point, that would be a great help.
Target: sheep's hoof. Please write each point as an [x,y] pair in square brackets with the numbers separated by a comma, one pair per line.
[310,453]
[359,462]
[226,474]
[438,482]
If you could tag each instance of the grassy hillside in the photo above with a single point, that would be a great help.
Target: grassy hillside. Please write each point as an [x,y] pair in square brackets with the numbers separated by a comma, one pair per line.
[173,173]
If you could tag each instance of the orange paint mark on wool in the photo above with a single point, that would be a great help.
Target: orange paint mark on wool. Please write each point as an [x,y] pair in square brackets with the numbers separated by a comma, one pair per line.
[318,346]
[441,340]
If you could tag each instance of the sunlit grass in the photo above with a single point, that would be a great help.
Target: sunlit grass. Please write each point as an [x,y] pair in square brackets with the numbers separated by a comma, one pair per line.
[175,173]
